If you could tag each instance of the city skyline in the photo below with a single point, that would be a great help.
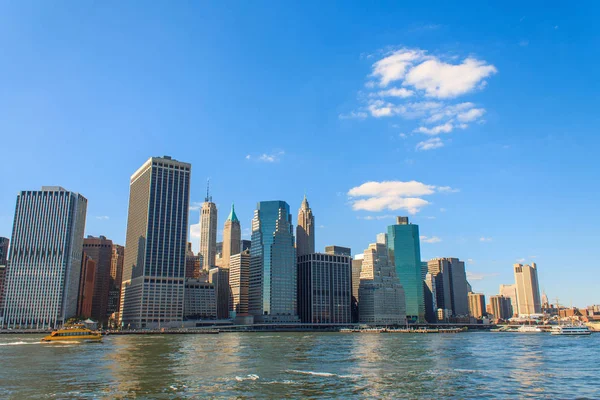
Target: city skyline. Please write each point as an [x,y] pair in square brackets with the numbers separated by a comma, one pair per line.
[490,206]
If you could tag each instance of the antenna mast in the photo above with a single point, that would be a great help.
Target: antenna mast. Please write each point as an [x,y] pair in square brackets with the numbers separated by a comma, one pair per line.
[208,198]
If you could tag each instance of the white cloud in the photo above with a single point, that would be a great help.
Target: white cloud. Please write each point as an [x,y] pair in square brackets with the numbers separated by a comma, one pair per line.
[248,157]
[430,144]
[393,67]
[471,261]
[403,135]
[391,195]
[102,217]
[485,239]
[436,130]
[196,205]
[477,276]
[268,157]
[376,217]
[447,189]
[520,260]
[354,115]
[195,231]
[471,115]
[396,92]
[432,239]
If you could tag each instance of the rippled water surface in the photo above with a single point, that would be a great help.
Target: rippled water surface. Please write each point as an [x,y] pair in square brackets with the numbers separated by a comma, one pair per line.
[295,365]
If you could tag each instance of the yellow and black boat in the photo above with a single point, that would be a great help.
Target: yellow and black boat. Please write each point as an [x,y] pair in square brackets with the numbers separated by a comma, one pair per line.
[73,333]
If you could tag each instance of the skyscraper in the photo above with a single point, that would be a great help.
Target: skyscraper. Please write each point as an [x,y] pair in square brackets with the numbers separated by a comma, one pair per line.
[154,270]
[430,294]
[476,305]
[501,307]
[219,277]
[510,292]
[325,288]
[528,290]
[451,285]
[380,294]
[3,258]
[338,250]
[273,275]
[239,281]
[232,237]
[86,286]
[405,256]
[3,250]
[208,232]
[44,267]
[100,249]
[116,278]
[305,231]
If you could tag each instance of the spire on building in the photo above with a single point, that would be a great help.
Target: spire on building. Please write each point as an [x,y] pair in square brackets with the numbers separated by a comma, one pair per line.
[232,217]
[208,197]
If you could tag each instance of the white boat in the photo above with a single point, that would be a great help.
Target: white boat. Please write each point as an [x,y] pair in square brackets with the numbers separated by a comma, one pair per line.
[529,329]
[575,330]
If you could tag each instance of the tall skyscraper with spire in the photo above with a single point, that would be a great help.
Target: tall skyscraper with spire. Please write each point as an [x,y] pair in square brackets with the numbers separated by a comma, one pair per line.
[208,231]
[232,237]
[305,231]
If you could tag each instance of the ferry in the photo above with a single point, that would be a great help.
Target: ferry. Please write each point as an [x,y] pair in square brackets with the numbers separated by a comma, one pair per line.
[573,330]
[75,333]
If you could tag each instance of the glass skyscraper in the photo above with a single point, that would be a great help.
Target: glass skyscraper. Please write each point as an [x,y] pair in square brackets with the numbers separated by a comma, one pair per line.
[273,275]
[157,224]
[405,255]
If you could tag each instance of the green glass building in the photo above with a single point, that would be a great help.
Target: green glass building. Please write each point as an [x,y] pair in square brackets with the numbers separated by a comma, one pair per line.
[405,255]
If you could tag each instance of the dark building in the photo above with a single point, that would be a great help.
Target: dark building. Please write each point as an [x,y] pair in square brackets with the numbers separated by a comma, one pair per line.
[3,250]
[245,245]
[219,277]
[325,288]
[86,286]
[116,278]
[338,250]
[100,250]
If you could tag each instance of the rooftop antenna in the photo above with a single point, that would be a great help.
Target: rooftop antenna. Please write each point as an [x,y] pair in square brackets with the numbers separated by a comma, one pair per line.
[208,198]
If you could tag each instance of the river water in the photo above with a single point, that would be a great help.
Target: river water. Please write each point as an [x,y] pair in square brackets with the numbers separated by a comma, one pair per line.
[304,365]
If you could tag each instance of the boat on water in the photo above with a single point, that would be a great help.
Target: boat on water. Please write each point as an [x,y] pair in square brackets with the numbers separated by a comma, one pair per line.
[73,333]
[528,329]
[570,330]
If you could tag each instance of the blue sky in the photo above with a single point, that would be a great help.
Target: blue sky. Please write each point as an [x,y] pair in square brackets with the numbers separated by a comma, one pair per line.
[479,121]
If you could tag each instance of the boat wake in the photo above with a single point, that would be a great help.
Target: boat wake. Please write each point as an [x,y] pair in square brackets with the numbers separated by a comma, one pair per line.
[322,374]
[249,377]
[17,343]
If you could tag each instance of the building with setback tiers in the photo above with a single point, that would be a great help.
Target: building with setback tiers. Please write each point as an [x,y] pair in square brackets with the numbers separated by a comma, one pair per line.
[232,237]
[208,232]
[239,281]
[273,275]
[305,231]
[405,255]
[152,293]
[325,288]
[42,278]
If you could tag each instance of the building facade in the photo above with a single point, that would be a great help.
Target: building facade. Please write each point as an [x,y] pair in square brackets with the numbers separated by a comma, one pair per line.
[200,300]
[451,283]
[273,275]
[208,233]
[152,293]
[232,237]
[381,298]
[100,249]
[501,307]
[430,294]
[476,305]
[325,288]
[219,277]
[3,260]
[116,279]
[338,250]
[239,281]
[528,289]
[405,255]
[3,250]
[510,292]
[42,277]
[305,230]
[86,287]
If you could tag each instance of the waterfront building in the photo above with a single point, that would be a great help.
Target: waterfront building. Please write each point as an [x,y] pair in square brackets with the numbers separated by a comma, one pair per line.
[451,285]
[380,294]
[239,281]
[325,288]
[2,280]
[305,230]
[219,277]
[405,255]
[430,294]
[200,300]
[232,236]
[190,262]
[528,290]
[42,276]
[501,307]
[100,250]
[157,224]
[356,268]
[87,286]
[273,275]
[476,305]
[116,278]
[338,250]
[510,292]
[208,232]
[3,250]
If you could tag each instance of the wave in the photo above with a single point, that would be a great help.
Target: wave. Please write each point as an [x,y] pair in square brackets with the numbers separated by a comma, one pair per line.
[17,343]
[322,374]
[249,377]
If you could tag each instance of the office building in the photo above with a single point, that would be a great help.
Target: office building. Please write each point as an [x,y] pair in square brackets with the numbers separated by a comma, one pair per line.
[86,286]
[510,292]
[116,279]
[155,249]
[100,249]
[208,232]
[451,285]
[239,281]
[430,295]
[338,251]
[305,231]
[42,277]
[200,300]
[380,294]
[3,250]
[476,305]
[501,307]
[219,277]
[356,268]
[405,255]
[2,280]
[190,262]
[232,237]
[528,290]
[273,275]
[325,288]
[245,245]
